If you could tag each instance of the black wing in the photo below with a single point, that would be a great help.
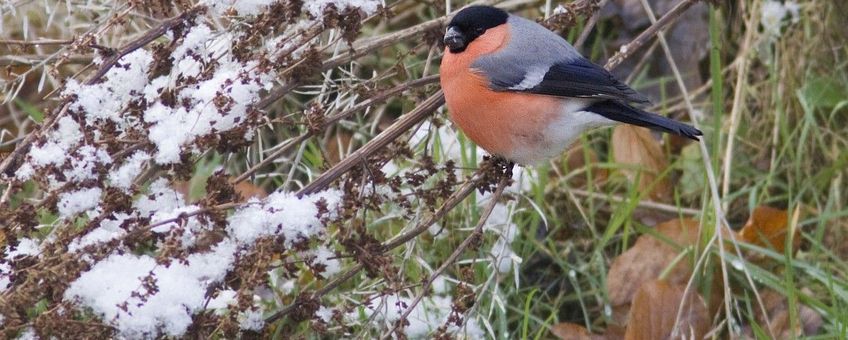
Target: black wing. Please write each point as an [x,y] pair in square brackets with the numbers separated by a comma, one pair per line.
[581,78]
[624,113]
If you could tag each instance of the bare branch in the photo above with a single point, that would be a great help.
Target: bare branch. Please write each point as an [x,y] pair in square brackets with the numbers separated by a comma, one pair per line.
[477,233]
[669,18]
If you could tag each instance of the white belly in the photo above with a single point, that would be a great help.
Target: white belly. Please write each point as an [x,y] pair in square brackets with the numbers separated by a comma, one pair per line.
[560,133]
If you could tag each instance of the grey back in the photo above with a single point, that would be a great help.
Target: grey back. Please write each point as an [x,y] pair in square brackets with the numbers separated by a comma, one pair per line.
[531,51]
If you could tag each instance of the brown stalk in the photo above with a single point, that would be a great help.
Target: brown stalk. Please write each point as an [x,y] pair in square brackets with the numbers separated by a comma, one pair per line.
[451,202]
[476,234]
[329,121]
[149,36]
[35,59]
[403,124]
[36,42]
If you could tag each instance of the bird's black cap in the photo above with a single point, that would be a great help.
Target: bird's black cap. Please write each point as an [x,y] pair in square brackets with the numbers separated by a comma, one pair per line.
[470,23]
[479,17]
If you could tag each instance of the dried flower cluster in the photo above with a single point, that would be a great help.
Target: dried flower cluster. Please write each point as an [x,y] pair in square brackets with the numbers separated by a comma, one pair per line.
[113,244]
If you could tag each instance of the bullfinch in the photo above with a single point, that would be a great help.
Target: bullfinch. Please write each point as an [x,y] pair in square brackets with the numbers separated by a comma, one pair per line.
[523,93]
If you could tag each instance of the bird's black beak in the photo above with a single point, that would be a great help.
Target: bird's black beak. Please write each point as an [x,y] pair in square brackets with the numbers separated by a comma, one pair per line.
[454,39]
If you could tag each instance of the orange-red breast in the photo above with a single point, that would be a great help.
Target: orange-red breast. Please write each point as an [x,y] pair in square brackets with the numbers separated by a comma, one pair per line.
[523,93]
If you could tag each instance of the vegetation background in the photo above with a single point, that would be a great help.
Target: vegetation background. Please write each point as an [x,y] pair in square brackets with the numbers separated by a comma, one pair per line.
[329,196]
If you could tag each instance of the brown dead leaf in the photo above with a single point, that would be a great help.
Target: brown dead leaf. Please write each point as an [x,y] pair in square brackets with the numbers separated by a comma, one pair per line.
[182,187]
[573,331]
[636,147]
[249,190]
[778,324]
[768,227]
[338,146]
[245,189]
[647,259]
[655,310]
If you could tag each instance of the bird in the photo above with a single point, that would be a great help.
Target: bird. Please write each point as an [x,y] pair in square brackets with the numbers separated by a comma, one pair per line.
[523,93]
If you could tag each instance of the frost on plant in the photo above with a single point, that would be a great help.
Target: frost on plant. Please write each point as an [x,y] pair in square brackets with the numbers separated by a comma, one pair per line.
[135,221]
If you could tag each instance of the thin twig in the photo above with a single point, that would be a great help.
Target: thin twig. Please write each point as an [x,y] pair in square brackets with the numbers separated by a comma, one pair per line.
[36,42]
[477,233]
[738,98]
[139,42]
[150,35]
[329,121]
[403,124]
[589,26]
[669,18]
[452,201]
[642,203]
[36,59]
[458,196]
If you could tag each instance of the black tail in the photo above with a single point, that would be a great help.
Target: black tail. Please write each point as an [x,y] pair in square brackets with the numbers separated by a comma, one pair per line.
[624,113]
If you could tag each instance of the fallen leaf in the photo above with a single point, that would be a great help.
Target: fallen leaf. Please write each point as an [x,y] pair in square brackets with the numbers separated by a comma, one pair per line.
[573,331]
[634,146]
[777,310]
[245,189]
[768,227]
[338,146]
[648,258]
[249,190]
[655,310]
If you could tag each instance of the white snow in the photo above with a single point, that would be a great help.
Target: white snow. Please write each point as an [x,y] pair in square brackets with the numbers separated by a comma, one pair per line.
[108,230]
[281,213]
[316,7]
[67,134]
[84,161]
[323,256]
[251,320]
[161,197]
[430,314]
[560,9]
[181,290]
[189,228]
[182,286]
[106,100]
[324,313]
[55,150]
[224,299]
[49,153]
[28,334]
[71,203]
[123,177]
[242,7]
[175,128]
[5,274]
[26,247]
